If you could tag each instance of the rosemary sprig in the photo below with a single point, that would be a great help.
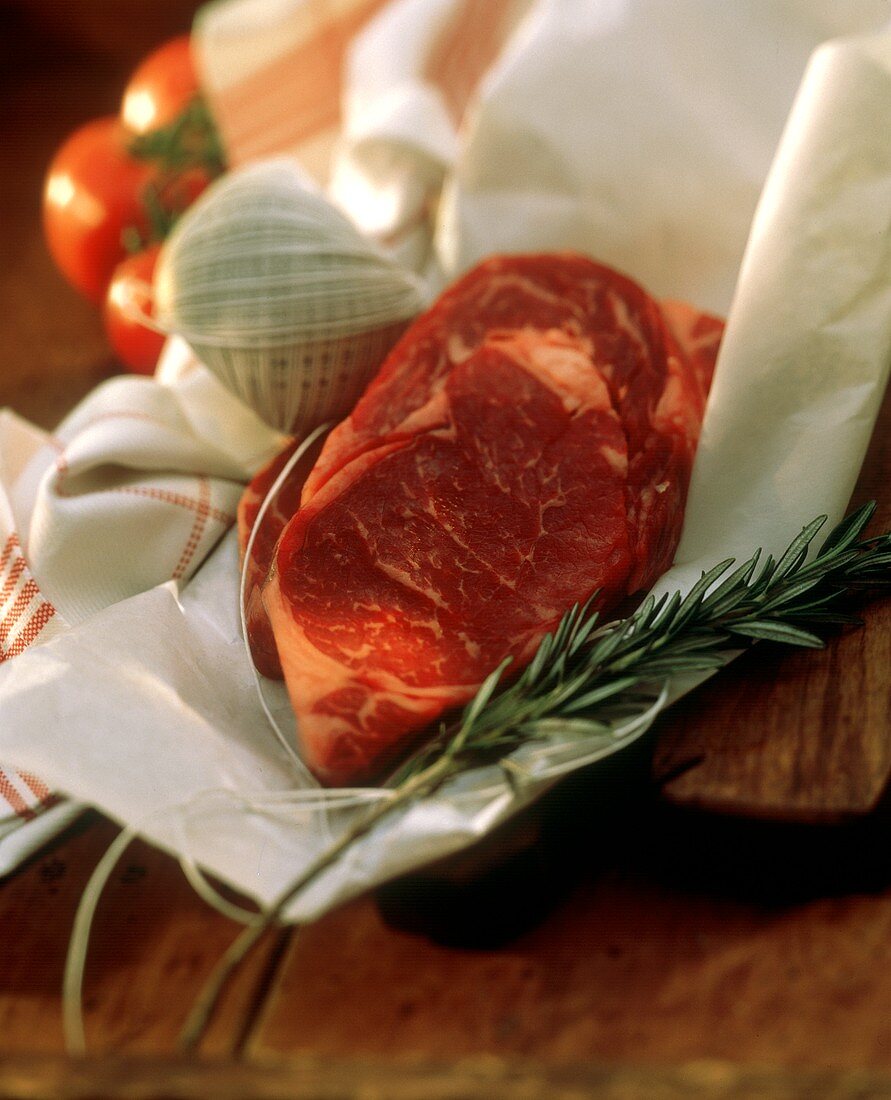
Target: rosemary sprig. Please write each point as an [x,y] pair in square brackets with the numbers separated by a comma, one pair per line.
[585,676]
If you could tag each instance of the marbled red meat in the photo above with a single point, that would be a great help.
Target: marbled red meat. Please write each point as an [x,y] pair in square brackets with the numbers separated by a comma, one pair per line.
[527,443]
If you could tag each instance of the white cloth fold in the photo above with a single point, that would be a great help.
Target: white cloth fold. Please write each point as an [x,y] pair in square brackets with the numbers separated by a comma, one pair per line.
[133,490]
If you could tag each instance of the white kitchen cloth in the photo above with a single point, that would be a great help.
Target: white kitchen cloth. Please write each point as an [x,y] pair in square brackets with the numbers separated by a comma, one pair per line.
[134,489]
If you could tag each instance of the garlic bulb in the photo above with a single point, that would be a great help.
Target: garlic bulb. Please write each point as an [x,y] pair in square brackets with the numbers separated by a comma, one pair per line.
[280,296]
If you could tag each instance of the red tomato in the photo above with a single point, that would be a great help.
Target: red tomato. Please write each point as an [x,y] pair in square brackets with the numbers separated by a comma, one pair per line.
[160,88]
[128,296]
[92,194]
[178,191]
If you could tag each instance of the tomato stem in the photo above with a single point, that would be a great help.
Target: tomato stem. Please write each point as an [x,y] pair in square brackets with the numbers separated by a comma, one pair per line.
[191,140]
[190,143]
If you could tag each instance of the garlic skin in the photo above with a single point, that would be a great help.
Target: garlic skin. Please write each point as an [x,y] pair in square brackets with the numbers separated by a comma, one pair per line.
[280,296]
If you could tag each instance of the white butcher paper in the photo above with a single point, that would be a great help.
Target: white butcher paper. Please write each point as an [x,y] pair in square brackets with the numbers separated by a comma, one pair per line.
[804,361]
[148,709]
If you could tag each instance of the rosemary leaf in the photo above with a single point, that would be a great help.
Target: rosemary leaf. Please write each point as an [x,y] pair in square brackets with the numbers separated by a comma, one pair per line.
[778,632]
[798,548]
[849,530]
[730,586]
[599,694]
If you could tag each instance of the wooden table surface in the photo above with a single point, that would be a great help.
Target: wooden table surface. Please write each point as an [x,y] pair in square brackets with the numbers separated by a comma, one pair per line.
[633,936]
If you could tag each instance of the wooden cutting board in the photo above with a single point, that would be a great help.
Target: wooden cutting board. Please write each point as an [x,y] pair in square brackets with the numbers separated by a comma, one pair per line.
[794,735]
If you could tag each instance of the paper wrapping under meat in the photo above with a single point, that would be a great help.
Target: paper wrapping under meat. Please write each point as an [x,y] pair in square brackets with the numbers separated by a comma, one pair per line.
[148,710]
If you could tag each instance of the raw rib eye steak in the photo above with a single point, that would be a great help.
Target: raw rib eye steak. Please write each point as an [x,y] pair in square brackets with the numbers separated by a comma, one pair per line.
[526,443]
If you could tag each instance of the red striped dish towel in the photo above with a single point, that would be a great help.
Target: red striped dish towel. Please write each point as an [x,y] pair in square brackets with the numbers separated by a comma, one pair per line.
[133,490]
[369,94]
[30,814]
[27,617]
[466,128]
[272,71]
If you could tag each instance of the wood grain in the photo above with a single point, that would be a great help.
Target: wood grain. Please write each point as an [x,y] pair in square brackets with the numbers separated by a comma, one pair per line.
[59,1079]
[794,735]
[153,944]
[654,936]
[625,970]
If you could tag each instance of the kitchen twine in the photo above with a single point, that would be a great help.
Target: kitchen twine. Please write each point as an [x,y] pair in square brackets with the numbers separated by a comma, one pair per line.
[316,800]
[531,766]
